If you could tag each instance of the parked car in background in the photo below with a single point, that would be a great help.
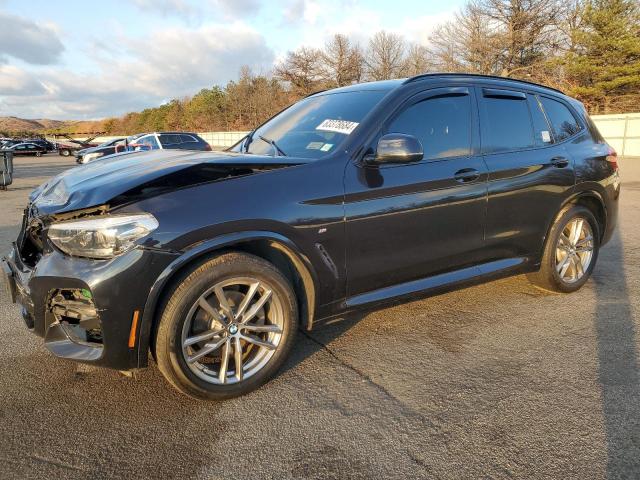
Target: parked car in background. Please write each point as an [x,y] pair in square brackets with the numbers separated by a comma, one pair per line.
[160,141]
[107,148]
[46,144]
[27,148]
[348,200]
[168,141]
[8,142]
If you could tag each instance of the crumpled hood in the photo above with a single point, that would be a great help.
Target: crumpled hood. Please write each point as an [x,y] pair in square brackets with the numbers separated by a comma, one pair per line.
[100,181]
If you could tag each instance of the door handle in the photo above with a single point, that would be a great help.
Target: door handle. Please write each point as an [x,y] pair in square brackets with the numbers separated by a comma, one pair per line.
[466,175]
[559,162]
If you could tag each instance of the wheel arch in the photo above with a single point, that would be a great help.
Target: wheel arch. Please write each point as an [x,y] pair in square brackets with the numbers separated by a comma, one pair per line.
[590,199]
[273,247]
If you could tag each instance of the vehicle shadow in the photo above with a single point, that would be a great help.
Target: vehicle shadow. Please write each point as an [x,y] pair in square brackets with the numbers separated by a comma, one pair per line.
[619,375]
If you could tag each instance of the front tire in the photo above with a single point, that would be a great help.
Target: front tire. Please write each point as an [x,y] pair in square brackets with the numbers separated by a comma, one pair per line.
[570,252]
[227,327]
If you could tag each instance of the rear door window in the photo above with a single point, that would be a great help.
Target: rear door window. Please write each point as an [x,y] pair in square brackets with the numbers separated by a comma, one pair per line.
[562,120]
[442,124]
[506,121]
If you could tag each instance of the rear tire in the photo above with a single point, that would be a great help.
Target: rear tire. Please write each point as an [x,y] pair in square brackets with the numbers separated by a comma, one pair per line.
[571,251]
[212,343]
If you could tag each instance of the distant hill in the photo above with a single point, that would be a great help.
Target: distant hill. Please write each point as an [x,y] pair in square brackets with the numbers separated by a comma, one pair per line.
[39,125]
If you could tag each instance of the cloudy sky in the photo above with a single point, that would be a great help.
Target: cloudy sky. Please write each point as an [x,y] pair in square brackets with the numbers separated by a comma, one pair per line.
[69,59]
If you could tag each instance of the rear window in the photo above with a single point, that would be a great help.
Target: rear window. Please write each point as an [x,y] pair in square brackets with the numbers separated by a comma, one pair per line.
[188,138]
[562,120]
[169,139]
[506,124]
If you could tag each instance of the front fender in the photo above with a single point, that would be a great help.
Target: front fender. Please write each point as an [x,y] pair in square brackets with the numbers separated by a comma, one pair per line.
[289,248]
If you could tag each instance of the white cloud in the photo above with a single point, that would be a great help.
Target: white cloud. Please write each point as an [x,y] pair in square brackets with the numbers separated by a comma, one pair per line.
[14,81]
[169,63]
[28,41]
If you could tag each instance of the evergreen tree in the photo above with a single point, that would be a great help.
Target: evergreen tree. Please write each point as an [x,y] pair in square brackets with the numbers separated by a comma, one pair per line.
[605,65]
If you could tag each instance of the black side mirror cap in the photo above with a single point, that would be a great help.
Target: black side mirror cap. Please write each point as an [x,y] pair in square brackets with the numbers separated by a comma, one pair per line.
[397,148]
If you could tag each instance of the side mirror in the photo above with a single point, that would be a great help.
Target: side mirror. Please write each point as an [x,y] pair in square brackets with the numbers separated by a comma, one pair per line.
[398,148]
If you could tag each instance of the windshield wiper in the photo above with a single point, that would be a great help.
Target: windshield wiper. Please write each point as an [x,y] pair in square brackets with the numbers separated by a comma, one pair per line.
[248,140]
[276,149]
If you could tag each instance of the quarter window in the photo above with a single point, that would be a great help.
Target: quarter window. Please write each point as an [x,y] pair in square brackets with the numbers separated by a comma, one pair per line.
[564,123]
[506,124]
[442,124]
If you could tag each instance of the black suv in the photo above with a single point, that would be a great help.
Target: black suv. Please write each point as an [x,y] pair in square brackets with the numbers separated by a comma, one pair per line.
[349,199]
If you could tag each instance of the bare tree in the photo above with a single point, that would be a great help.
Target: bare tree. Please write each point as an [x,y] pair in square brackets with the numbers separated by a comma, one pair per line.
[467,43]
[526,31]
[418,60]
[502,37]
[302,69]
[385,56]
[342,62]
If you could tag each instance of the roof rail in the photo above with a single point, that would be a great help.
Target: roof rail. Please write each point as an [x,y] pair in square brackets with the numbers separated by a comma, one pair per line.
[477,75]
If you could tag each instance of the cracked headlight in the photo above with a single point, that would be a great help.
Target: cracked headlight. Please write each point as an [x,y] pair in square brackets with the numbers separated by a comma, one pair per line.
[101,237]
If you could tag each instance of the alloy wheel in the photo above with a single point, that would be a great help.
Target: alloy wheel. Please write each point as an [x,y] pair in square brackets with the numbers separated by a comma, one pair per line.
[574,250]
[232,330]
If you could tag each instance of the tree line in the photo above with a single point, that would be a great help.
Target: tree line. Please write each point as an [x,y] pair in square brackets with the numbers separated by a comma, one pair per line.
[590,49]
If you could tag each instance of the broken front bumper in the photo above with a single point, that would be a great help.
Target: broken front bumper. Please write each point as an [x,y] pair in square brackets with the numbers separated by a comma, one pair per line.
[84,308]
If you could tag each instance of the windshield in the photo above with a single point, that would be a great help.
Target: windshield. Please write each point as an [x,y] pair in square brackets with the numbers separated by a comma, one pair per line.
[313,127]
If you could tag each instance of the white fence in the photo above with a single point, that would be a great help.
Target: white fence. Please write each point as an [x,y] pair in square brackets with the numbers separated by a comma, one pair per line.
[621,131]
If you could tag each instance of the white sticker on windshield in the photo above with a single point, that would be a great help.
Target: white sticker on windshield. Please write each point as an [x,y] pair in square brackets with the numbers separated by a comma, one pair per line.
[315,145]
[546,136]
[326,147]
[341,126]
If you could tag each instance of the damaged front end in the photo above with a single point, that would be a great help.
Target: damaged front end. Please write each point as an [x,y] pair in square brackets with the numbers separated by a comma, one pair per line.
[84,262]
[82,307]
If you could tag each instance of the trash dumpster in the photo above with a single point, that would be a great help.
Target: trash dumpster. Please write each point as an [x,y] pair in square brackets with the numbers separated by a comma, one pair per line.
[6,169]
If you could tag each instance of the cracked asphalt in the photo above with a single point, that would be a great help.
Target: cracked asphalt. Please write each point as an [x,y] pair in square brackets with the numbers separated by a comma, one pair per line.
[500,380]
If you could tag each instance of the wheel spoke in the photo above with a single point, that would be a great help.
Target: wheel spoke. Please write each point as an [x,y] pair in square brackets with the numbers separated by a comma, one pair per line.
[255,308]
[564,241]
[237,355]
[585,242]
[206,350]
[259,342]
[253,288]
[224,362]
[262,328]
[202,337]
[224,303]
[576,230]
[564,265]
[207,307]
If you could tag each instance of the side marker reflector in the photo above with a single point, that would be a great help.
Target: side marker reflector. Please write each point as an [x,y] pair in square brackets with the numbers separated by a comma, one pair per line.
[134,328]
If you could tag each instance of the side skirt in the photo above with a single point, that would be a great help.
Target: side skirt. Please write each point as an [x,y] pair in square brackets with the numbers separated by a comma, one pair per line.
[441,283]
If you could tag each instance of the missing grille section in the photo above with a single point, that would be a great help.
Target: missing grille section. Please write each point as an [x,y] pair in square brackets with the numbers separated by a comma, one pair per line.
[75,309]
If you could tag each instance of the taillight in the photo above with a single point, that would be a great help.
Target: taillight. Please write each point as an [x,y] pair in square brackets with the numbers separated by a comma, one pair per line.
[207,148]
[612,158]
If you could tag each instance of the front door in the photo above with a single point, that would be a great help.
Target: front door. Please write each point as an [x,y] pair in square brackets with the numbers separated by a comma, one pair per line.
[410,221]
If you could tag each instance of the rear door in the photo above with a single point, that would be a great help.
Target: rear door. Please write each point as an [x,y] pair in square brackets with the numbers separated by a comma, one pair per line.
[411,221]
[530,175]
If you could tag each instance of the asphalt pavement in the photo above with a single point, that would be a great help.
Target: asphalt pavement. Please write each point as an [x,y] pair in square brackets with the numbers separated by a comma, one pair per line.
[500,380]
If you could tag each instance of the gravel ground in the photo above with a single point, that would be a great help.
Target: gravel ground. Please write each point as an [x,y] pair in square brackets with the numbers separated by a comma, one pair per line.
[496,381]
